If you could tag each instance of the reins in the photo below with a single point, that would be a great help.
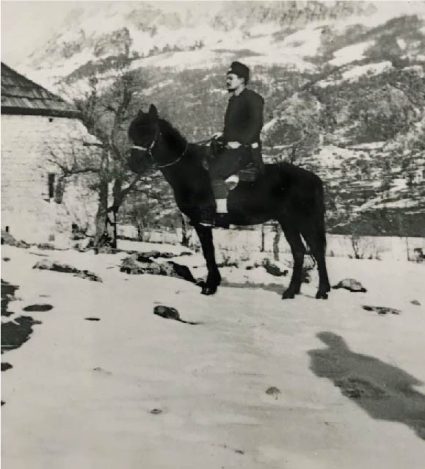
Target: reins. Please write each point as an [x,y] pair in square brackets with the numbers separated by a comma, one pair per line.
[151,147]
[176,160]
[203,142]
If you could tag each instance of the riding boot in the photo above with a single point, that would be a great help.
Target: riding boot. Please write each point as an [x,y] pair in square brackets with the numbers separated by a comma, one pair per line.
[207,216]
[211,219]
[221,216]
[222,220]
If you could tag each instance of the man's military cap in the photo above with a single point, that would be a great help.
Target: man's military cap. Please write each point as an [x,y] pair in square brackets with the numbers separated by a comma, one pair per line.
[240,70]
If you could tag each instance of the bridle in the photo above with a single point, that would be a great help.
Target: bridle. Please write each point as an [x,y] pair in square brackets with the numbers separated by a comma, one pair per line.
[151,147]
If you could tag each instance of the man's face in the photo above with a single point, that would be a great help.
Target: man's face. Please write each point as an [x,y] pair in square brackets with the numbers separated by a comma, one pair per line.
[233,82]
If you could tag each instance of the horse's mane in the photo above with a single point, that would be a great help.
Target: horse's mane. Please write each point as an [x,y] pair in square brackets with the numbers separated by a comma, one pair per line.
[173,137]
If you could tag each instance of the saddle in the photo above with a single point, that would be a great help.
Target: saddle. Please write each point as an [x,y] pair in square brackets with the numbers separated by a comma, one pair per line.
[247,174]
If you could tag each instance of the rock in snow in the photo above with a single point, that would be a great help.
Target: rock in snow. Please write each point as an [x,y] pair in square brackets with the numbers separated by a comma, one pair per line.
[382,309]
[273,391]
[274,269]
[47,264]
[7,238]
[132,265]
[350,284]
[168,312]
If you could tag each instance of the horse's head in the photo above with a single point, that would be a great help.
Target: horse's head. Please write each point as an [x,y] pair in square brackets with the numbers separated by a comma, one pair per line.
[143,133]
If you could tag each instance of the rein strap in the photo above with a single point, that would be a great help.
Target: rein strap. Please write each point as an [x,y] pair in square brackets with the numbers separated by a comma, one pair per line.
[176,160]
[149,151]
[138,147]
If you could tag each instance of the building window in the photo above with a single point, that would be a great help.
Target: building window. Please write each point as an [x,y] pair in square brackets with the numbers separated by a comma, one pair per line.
[51,185]
[59,190]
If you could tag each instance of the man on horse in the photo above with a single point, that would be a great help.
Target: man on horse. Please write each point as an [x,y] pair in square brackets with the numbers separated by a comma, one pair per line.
[240,140]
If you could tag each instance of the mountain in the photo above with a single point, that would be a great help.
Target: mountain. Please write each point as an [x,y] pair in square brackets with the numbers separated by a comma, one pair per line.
[343,81]
[269,32]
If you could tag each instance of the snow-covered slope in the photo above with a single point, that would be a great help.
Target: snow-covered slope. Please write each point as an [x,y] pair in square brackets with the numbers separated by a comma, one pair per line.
[258,383]
[285,33]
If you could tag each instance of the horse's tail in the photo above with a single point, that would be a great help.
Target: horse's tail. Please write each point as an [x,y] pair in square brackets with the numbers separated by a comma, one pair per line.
[309,189]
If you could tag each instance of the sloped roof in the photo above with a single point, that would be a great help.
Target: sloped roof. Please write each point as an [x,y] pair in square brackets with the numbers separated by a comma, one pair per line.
[21,96]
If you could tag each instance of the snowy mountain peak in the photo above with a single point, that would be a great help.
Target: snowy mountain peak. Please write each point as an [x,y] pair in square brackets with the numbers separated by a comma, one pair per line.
[145,29]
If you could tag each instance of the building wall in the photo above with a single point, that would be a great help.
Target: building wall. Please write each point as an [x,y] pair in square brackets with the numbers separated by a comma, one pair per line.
[28,143]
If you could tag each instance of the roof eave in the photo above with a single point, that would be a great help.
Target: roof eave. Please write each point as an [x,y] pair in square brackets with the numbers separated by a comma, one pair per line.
[24,111]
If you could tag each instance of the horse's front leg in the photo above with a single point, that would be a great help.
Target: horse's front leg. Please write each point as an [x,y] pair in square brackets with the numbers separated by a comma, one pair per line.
[214,277]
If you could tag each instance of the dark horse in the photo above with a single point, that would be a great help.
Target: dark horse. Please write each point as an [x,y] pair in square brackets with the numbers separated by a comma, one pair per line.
[286,193]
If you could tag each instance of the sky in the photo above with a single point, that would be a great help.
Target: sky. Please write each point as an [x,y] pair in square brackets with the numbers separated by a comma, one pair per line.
[26,24]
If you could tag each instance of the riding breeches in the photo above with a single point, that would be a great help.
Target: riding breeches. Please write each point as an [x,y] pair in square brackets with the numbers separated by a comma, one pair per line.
[229,162]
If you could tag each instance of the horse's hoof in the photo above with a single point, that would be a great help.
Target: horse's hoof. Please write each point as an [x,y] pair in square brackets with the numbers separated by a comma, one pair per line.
[288,294]
[208,290]
[321,295]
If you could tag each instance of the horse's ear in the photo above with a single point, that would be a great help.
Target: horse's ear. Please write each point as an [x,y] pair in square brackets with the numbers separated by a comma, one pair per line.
[153,111]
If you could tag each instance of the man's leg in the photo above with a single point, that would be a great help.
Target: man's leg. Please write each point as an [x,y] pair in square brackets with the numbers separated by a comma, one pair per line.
[257,159]
[226,164]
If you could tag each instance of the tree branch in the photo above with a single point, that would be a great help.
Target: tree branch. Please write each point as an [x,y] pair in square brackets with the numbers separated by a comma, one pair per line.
[70,170]
[123,193]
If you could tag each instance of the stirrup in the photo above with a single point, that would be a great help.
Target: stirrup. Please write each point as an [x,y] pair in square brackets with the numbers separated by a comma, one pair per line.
[220,221]
[207,224]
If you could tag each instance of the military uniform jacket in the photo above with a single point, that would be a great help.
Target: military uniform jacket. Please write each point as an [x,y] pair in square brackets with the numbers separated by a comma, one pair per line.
[243,120]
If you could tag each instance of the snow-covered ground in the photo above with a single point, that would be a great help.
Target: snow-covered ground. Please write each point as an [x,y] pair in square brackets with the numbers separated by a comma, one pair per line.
[240,244]
[134,390]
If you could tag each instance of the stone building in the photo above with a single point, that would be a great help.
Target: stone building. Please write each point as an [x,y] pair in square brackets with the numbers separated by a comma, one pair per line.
[41,135]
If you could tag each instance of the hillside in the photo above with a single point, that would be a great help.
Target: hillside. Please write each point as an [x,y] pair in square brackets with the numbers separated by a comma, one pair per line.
[344,81]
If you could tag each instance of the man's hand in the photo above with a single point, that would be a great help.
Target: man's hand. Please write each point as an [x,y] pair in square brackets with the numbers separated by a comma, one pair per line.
[234,145]
[261,168]
[232,181]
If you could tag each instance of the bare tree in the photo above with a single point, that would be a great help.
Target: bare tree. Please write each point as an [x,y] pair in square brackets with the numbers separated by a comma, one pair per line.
[106,117]
[276,240]
[263,238]
[185,239]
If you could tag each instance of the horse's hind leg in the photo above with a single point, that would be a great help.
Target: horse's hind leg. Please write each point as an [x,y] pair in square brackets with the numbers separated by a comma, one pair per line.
[213,278]
[314,235]
[293,237]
